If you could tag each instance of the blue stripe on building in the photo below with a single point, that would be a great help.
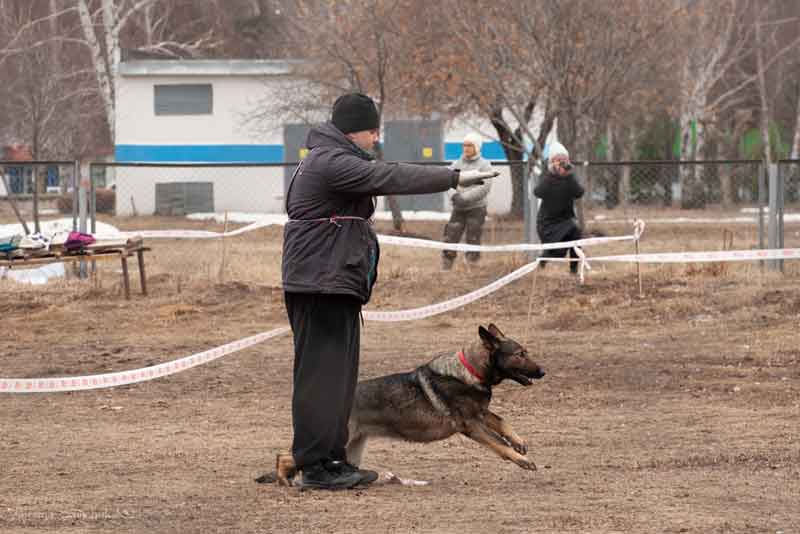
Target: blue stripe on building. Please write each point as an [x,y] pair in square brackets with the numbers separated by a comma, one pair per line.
[491,150]
[200,153]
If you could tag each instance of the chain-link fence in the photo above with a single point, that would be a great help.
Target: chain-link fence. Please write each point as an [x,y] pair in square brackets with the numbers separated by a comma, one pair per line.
[151,196]
[45,188]
[668,184]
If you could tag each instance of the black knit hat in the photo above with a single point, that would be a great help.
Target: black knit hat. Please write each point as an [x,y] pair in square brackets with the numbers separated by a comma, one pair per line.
[354,113]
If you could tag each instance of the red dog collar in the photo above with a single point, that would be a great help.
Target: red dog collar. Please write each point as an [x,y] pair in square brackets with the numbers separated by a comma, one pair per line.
[465,363]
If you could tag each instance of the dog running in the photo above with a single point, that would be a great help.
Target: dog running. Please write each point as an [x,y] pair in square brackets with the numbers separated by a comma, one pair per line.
[448,395]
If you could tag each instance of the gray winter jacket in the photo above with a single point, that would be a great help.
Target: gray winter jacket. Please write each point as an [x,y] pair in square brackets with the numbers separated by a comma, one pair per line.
[326,254]
[474,196]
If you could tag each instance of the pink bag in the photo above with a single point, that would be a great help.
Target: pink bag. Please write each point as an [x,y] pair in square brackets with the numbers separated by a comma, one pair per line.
[78,240]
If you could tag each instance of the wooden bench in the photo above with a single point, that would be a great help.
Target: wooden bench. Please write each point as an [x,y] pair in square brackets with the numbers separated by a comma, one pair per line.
[91,253]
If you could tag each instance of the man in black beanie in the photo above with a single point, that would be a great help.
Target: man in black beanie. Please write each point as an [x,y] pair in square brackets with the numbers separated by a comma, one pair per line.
[330,264]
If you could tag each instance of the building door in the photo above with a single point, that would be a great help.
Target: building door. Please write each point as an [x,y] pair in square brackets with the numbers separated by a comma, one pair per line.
[294,150]
[415,141]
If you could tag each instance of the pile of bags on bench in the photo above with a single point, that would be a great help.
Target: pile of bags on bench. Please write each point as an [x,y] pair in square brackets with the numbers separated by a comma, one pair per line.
[59,243]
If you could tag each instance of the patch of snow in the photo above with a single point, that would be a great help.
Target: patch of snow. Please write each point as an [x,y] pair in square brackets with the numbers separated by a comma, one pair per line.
[38,276]
[281,218]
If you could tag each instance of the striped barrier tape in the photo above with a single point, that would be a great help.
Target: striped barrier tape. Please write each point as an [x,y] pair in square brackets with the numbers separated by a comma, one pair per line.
[383,239]
[40,385]
[700,257]
[77,383]
[121,378]
[517,247]
[451,304]
[184,234]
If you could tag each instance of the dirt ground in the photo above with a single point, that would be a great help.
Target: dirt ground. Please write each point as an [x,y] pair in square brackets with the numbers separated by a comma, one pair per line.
[676,411]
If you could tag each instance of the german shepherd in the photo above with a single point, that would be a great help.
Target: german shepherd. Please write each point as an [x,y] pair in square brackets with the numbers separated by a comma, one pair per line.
[448,395]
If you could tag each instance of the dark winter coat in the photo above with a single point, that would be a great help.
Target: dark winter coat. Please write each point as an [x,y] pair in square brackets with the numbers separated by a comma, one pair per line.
[338,179]
[556,217]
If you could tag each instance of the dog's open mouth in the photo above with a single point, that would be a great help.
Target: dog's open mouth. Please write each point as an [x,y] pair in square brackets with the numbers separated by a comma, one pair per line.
[525,378]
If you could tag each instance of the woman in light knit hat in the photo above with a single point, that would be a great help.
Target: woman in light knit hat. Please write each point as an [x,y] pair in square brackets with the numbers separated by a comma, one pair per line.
[469,203]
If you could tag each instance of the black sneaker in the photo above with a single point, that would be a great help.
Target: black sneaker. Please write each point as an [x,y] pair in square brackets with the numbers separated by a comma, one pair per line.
[318,476]
[338,466]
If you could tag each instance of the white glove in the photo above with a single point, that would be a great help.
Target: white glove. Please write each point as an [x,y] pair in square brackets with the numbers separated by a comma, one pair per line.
[468,178]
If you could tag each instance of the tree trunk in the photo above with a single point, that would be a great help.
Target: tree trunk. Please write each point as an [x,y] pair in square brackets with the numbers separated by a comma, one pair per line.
[625,184]
[692,195]
[514,152]
[726,185]
[584,153]
[100,62]
[796,141]
[397,214]
[762,93]
[35,177]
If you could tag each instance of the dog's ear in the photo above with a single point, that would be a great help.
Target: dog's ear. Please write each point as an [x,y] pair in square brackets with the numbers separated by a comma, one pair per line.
[490,341]
[495,331]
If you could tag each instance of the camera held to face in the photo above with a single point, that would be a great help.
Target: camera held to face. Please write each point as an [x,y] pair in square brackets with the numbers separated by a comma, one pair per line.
[566,165]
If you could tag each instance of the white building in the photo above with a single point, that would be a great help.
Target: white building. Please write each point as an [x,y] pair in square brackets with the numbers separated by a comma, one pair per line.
[194,112]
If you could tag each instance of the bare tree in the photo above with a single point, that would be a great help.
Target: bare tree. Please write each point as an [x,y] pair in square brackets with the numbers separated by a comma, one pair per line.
[724,64]
[577,59]
[771,46]
[360,46]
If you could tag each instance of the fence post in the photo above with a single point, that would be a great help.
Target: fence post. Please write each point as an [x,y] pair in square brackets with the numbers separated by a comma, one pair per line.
[779,214]
[530,206]
[772,221]
[762,193]
[92,201]
[82,212]
[582,176]
[35,178]
[76,178]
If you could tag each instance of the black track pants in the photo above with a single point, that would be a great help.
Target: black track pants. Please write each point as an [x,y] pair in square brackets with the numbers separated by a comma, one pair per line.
[326,348]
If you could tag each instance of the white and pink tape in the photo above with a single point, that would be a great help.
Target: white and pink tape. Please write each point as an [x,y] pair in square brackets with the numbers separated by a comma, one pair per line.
[78,383]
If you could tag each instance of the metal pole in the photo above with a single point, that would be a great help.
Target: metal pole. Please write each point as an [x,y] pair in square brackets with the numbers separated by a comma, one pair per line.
[92,201]
[35,177]
[762,193]
[76,176]
[531,207]
[92,211]
[772,221]
[83,185]
[638,268]
[779,214]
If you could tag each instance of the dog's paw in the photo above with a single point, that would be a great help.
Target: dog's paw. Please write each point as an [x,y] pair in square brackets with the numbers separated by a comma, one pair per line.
[520,447]
[526,464]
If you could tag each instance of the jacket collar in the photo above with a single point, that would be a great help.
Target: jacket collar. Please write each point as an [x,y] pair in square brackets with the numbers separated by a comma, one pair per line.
[327,135]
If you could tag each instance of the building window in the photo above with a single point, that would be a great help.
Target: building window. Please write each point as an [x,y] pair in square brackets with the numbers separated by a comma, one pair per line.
[98,175]
[20,180]
[53,180]
[184,99]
